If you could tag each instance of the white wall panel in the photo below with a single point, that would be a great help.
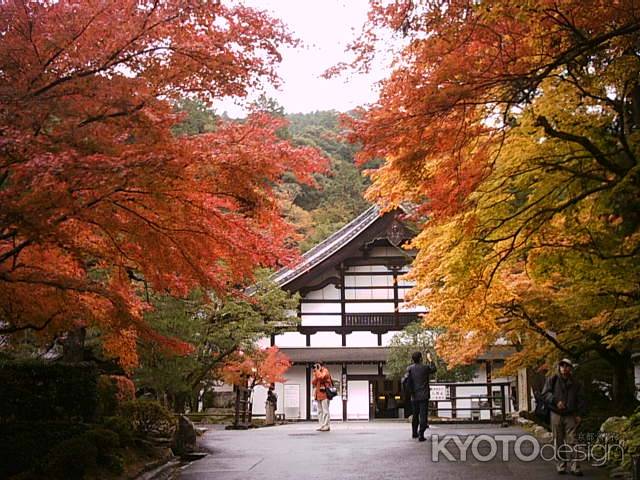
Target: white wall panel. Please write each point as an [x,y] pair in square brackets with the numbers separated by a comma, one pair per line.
[360,268]
[295,376]
[321,320]
[329,292]
[362,339]
[264,342]
[386,338]
[404,307]
[382,252]
[356,369]
[369,307]
[326,339]
[320,308]
[381,280]
[291,339]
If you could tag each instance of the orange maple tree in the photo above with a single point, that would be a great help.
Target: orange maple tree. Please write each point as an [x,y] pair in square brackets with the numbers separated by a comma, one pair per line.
[513,127]
[260,366]
[96,191]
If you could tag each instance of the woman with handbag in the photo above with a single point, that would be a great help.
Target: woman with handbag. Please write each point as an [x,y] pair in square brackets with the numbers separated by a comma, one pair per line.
[321,381]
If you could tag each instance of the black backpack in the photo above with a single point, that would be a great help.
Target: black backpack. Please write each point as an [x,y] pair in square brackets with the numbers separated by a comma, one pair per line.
[543,409]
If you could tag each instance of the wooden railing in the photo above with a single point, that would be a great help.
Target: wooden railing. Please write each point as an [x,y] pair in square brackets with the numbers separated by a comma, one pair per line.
[379,319]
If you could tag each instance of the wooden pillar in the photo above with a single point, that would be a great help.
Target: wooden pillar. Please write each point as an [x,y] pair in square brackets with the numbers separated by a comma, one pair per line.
[487,366]
[342,295]
[308,391]
[396,298]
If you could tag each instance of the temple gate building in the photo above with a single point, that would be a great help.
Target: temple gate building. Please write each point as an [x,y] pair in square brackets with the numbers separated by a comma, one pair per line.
[352,304]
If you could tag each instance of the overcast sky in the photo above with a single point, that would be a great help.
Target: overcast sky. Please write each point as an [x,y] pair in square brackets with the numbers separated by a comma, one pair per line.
[325,27]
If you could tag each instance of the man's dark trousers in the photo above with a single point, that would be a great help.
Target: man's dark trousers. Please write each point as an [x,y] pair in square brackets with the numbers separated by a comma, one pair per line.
[419,414]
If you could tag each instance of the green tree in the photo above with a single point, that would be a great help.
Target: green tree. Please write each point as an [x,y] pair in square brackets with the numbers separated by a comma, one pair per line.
[216,328]
[415,338]
[198,119]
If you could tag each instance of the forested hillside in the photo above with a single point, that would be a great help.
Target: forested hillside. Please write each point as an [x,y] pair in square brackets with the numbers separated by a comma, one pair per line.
[315,212]
[340,196]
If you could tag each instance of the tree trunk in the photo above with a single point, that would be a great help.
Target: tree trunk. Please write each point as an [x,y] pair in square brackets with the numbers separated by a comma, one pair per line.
[73,345]
[623,386]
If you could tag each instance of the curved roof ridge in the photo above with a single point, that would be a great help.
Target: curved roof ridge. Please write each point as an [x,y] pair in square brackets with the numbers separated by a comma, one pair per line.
[328,246]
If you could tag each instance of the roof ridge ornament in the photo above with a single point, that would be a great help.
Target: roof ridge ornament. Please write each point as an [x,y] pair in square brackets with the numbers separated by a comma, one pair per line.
[395,234]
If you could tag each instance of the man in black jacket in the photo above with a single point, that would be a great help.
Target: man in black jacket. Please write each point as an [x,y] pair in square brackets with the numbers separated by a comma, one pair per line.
[416,379]
[563,395]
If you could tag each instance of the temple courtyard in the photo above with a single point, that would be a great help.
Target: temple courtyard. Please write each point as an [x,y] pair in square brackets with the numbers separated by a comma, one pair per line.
[372,451]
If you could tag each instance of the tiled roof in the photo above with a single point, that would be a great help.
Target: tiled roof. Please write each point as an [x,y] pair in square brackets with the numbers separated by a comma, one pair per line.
[328,247]
[336,354]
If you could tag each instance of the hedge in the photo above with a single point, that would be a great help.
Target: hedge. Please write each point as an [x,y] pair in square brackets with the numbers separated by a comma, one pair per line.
[25,445]
[38,391]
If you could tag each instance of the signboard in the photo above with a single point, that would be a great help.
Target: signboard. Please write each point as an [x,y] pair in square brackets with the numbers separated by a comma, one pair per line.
[291,395]
[292,400]
[343,387]
[220,386]
[438,392]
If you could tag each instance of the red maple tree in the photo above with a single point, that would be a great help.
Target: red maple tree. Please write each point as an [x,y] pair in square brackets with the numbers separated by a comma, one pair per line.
[95,190]
[256,367]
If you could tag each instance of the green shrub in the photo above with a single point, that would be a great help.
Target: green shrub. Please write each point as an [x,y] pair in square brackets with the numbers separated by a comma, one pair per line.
[631,437]
[24,445]
[122,427]
[106,440]
[148,417]
[107,400]
[35,390]
[114,462]
[72,459]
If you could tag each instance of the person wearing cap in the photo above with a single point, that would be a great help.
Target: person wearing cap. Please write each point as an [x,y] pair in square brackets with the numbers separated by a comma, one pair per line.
[563,394]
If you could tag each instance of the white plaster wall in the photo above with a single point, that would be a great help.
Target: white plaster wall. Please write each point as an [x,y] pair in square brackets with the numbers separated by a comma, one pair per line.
[386,338]
[366,269]
[321,320]
[329,292]
[320,308]
[259,398]
[369,294]
[290,339]
[368,280]
[403,307]
[369,307]
[295,375]
[362,339]
[361,369]
[264,342]
[383,252]
[326,339]
[335,406]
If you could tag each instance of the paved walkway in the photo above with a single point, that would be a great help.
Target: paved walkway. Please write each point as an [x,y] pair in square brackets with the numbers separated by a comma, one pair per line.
[350,451]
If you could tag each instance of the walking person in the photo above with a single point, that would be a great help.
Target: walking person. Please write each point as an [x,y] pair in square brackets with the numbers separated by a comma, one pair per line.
[321,380]
[271,405]
[416,381]
[563,394]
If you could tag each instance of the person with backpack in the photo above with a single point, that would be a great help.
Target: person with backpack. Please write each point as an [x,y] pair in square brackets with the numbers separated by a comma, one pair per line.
[562,393]
[416,382]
